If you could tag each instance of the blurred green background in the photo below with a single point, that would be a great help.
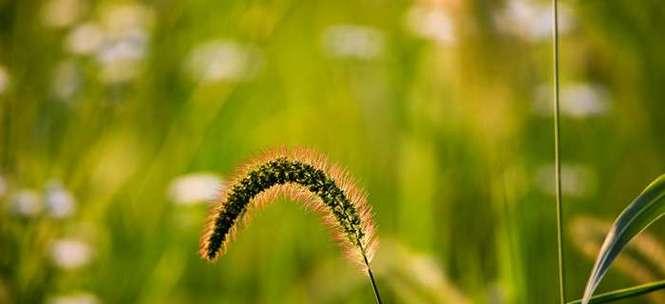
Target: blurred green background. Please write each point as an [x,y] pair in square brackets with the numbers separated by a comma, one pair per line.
[120,119]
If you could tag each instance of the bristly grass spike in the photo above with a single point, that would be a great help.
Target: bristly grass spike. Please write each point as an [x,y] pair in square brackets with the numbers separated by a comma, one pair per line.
[301,175]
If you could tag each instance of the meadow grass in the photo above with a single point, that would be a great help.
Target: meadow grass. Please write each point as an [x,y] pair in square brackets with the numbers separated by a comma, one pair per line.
[441,108]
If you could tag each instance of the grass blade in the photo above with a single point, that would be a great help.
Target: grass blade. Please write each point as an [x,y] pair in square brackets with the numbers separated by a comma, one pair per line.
[644,210]
[624,293]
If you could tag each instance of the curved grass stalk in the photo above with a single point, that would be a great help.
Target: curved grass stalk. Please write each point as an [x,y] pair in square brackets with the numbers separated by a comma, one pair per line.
[301,175]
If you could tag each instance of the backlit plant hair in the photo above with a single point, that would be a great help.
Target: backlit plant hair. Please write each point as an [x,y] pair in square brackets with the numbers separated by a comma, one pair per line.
[301,175]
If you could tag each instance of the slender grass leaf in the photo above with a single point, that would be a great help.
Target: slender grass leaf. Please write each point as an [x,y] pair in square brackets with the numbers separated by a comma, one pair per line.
[644,210]
[624,293]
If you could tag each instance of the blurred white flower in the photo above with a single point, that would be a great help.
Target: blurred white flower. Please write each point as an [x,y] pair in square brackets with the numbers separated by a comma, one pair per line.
[577,180]
[85,39]
[62,13]
[66,80]
[584,100]
[353,41]
[59,202]
[70,253]
[4,79]
[132,46]
[122,44]
[531,19]
[74,298]
[26,203]
[221,60]
[195,188]
[431,22]
[577,100]
[120,58]
[121,19]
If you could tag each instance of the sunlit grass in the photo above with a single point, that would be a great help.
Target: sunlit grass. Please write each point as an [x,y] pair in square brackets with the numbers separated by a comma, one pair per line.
[436,107]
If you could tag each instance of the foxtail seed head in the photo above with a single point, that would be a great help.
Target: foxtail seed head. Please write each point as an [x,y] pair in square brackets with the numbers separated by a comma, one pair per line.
[301,175]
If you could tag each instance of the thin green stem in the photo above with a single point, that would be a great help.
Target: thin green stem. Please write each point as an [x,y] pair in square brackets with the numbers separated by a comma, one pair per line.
[557,156]
[375,288]
[624,293]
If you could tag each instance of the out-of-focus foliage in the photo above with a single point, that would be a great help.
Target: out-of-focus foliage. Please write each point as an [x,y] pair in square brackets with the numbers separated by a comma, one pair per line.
[119,119]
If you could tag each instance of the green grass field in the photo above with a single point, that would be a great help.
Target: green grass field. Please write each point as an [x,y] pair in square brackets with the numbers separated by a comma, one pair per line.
[120,120]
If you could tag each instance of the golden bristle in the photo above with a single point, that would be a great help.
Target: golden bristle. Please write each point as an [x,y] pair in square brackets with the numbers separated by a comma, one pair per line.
[359,245]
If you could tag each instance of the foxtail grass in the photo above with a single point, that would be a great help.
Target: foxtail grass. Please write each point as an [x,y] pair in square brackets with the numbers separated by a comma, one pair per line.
[301,175]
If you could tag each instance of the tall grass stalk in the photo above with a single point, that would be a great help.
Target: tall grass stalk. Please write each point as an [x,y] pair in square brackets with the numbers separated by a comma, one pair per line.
[557,156]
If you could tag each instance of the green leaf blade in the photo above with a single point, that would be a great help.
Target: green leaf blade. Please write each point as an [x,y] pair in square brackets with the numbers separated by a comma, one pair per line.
[644,210]
[624,293]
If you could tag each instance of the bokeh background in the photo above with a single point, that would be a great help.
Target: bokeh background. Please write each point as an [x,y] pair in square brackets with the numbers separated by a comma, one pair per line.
[120,120]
